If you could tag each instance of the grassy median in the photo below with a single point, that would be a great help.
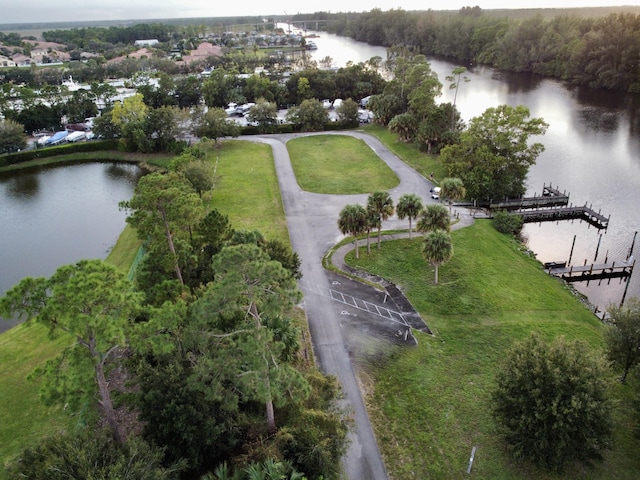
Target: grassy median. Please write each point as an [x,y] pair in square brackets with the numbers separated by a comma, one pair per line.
[338,164]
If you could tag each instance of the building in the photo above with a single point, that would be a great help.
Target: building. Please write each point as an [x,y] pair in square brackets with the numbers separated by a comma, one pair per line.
[147,43]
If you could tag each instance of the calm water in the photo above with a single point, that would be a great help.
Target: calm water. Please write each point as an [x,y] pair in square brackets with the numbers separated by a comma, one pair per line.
[592,151]
[54,216]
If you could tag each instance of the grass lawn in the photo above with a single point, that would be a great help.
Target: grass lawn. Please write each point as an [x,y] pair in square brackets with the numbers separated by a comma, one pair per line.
[338,164]
[430,404]
[23,417]
[424,163]
[246,188]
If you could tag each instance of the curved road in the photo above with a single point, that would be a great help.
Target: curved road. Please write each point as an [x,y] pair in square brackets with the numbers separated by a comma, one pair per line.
[313,227]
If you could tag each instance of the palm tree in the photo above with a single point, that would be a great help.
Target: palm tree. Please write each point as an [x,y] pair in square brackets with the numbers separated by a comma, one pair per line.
[353,221]
[373,221]
[434,217]
[437,249]
[452,189]
[409,206]
[381,204]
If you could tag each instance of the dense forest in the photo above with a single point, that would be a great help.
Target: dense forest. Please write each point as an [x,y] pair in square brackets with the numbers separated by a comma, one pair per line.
[600,52]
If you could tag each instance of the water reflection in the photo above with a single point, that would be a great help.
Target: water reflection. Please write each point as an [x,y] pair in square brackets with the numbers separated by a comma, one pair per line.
[518,83]
[22,186]
[598,119]
[122,172]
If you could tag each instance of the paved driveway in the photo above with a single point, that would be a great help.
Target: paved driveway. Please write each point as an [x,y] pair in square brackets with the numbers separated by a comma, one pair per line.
[312,220]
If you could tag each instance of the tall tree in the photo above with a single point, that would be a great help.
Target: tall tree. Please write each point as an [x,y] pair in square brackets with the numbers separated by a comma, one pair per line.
[130,116]
[457,74]
[310,116]
[495,153]
[452,189]
[247,281]
[348,112]
[12,136]
[163,209]
[551,402]
[623,336]
[437,249]
[353,221]
[381,204]
[265,114]
[93,303]
[215,124]
[409,206]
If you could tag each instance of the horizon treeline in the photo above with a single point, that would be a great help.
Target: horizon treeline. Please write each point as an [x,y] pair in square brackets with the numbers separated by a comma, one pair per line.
[599,52]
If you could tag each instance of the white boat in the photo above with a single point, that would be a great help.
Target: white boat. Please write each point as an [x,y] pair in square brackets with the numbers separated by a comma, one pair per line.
[76,136]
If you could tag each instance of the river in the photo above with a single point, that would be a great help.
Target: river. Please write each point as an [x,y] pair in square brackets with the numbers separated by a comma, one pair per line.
[59,215]
[592,151]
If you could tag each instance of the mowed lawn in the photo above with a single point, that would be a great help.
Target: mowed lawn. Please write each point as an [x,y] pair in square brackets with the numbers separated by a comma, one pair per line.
[246,188]
[338,164]
[430,405]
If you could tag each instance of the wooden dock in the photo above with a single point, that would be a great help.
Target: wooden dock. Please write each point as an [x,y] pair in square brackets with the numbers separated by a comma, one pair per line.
[582,273]
[551,197]
[564,213]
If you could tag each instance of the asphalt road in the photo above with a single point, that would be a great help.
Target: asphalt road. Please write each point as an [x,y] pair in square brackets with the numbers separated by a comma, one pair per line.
[313,227]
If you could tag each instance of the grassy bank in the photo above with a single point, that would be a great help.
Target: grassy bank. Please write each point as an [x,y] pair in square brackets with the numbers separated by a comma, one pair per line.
[430,404]
[159,159]
[338,164]
[424,163]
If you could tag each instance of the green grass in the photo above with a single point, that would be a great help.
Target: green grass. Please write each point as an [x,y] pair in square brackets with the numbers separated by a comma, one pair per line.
[124,251]
[424,163]
[246,188]
[430,404]
[23,417]
[338,164]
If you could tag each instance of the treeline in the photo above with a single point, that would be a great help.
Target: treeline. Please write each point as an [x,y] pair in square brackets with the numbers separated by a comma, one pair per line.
[86,37]
[597,52]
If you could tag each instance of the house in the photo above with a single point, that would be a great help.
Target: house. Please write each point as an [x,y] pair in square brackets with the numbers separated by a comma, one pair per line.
[21,60]
[204,51]
[138,54]
[6,62]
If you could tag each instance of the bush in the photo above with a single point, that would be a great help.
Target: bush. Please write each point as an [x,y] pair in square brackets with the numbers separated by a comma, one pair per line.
[506,222]
[90,454]
[551,402]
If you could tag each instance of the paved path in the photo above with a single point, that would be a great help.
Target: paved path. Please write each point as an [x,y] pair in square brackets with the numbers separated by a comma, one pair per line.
[312,220]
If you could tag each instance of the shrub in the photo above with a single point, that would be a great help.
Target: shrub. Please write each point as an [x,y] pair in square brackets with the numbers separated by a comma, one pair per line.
[551,402]
[506,222]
